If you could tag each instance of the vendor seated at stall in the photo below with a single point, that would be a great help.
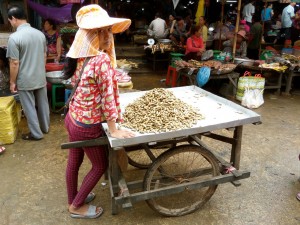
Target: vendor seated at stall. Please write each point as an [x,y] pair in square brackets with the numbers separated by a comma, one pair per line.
[178,32]
[241,45]
[54,43]
[4,73]
[194,45]
[158,28]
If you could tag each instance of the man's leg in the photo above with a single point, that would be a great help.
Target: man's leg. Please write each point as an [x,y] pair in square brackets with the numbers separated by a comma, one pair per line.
[28,104]
[43,108]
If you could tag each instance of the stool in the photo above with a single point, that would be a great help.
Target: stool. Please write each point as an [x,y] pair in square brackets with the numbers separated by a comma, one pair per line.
[67,94]
[55,101]
[171,75]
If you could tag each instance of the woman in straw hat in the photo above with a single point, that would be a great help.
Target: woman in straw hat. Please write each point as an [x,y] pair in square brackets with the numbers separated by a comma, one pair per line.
[95,100]
[241,44]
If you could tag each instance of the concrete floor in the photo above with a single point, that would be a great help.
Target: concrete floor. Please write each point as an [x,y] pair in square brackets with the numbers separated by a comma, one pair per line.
[32,190]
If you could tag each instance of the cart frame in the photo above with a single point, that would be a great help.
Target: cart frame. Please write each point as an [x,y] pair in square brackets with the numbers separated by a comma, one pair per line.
[238,116]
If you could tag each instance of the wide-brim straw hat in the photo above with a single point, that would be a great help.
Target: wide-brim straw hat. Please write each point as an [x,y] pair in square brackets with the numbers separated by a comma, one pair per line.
[94,17]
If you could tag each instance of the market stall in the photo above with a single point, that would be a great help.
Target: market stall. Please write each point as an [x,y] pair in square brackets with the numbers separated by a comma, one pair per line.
[218,71]
[184,178]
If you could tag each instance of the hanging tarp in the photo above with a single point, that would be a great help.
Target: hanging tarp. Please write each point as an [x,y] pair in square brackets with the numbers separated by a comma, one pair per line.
[58,14]
[200,11]
[175,3]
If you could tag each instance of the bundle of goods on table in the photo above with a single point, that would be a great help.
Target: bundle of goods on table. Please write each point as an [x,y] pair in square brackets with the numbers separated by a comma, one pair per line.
[217,67]
[160,47]
[292,61]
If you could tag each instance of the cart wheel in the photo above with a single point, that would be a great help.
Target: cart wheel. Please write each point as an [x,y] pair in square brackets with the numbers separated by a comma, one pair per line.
[140,159]
[185,163]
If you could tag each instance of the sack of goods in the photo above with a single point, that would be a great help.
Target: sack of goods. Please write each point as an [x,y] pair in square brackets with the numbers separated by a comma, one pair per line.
[10,116]
[250,90]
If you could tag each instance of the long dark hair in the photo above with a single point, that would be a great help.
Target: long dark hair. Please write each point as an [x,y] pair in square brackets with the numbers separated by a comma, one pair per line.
[70,65]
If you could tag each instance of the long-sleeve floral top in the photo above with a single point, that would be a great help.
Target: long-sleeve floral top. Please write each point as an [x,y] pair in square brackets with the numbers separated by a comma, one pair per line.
[97,97]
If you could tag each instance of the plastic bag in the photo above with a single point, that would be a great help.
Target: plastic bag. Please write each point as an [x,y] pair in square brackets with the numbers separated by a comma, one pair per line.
[253,98]
[251,82]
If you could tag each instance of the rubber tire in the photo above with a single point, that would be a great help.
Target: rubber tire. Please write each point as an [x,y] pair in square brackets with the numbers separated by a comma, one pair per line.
[158,164]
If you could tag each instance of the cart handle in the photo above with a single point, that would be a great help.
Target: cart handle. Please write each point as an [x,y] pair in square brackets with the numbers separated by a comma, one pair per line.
[86,143]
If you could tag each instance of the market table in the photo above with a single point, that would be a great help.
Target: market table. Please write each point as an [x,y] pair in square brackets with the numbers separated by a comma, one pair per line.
[158,56]
[182,179]
[289,79]
[191,75]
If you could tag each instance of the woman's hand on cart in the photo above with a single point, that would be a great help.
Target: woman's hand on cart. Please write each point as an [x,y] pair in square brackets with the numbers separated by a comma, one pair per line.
[117,133]
[122,134]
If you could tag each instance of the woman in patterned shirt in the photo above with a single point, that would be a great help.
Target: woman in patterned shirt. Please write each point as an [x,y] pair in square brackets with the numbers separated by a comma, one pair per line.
[95,100]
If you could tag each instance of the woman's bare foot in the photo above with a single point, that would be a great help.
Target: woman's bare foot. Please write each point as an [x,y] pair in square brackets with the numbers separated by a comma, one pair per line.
[82,210]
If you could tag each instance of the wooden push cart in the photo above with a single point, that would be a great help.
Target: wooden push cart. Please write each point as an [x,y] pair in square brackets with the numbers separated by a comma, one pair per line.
[184,177]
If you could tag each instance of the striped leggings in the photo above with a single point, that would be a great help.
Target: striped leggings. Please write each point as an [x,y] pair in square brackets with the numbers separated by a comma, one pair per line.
[96,155]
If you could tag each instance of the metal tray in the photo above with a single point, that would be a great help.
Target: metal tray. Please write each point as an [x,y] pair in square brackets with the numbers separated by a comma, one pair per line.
[219,113]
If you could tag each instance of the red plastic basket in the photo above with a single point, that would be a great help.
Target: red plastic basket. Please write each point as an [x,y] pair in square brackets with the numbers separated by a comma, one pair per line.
[54,67]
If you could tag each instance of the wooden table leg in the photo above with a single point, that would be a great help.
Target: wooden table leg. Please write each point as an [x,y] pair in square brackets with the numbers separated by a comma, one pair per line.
[236,147]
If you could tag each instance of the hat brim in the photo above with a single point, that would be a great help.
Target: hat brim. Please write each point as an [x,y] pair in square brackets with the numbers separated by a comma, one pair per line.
[118,24]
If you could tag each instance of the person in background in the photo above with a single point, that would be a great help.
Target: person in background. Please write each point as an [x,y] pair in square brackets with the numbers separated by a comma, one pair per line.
[171,21]
[95,100]
[248,12]
[178,32]
[188,23]
[4,73]
[53,38]
[221,32]
[241,45]
[244,26]
[255,37]
[26,51]
[287,17]
[295,35]
[203,28]
[158,28]
[266,17]
[194,44]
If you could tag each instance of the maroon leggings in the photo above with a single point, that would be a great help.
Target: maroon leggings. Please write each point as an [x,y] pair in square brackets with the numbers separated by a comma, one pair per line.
[96,155]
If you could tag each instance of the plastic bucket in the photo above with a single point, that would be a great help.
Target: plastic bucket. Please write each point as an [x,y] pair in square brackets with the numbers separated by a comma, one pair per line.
[175,56]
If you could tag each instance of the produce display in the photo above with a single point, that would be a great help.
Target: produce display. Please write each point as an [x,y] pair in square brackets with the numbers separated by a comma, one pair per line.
[126,64]
[159,110]
[217,66]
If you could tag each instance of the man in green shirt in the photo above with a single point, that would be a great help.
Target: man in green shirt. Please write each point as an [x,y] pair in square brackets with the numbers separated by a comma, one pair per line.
[254,38]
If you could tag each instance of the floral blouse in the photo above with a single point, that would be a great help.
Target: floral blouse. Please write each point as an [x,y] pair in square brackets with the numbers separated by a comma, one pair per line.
[97,97]
[51,42]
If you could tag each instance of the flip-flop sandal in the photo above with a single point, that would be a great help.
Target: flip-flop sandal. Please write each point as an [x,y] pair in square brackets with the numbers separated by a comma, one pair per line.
[91,213]
[298,196]
[91,196]
[29,137]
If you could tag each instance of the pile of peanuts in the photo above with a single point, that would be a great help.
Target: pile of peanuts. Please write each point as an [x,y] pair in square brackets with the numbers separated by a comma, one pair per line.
[159,110]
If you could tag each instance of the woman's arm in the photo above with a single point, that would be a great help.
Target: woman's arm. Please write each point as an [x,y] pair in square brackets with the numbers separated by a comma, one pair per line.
[244,49]
[58,48]
[172,27]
